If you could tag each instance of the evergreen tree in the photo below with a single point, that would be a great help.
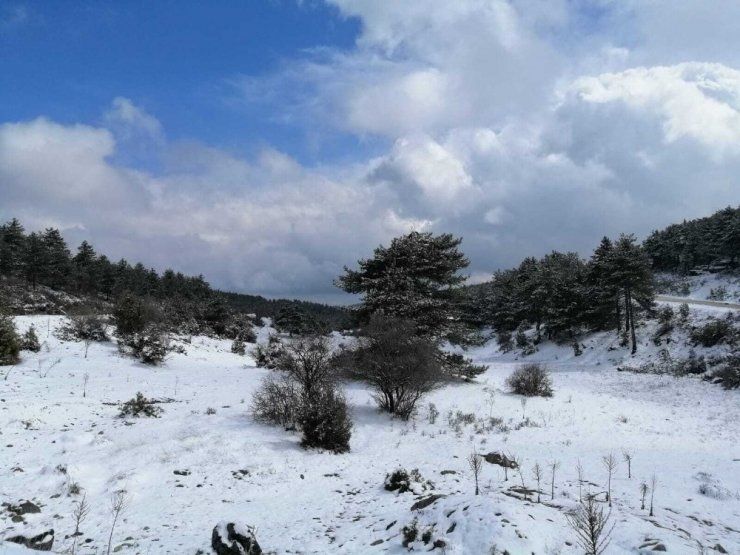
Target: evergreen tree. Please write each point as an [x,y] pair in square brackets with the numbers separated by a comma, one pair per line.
[416,278]
[12,247]
[34,259]
[85,267]
[57,258]
[632,277]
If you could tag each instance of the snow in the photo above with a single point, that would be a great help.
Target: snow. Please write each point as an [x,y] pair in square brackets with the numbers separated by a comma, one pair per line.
[683,430]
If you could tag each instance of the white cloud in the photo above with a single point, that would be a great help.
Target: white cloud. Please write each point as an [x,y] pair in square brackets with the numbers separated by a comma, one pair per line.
[522,125]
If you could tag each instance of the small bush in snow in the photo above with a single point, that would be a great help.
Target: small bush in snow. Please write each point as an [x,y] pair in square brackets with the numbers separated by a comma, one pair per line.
[238,347]
[728,373]
[531,380]
[402,481]
[151,346]
[139,406]
[10,343]
[325,420]
[714,332]
[268,355]
[683,311]
[410,533]
[505,341]
[277,401]
[30,341]
[84,327]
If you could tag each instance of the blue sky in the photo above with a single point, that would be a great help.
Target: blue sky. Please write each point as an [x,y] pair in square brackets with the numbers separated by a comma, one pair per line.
[267,144]
[67,60]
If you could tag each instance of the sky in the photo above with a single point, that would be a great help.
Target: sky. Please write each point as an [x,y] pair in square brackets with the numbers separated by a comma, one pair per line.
[267,144]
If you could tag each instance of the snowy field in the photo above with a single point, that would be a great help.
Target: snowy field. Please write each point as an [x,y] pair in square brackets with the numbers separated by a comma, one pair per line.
[684,431]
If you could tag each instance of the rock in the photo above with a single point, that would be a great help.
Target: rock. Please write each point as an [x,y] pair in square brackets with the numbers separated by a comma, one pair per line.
[720,549]
[500,460]
[439,544]
[377,542]
[24,508]
[181,473]
[659,547]
[232,539]
[42,542]
[426,501]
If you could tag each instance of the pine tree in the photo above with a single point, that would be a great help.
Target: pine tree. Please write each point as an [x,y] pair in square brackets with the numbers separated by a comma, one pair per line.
[12,247]
[34,259]
[632,276]
[86,269]
[57,259]
[416,278]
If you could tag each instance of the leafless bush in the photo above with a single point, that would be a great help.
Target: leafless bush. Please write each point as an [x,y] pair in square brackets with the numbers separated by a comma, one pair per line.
[277,401]
[400,366]
[591,526]
[531,380]
[475,462]
[118,506]
[610,463]
[81,510]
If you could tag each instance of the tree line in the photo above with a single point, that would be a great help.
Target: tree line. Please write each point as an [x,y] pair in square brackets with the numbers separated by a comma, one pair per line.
[43,258]
[705,243]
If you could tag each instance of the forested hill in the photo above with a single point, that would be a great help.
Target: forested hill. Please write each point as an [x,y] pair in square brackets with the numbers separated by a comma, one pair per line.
[42,260]
[704,244]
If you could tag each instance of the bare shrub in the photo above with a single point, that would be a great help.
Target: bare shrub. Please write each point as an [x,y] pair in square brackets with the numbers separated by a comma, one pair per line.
[400,366]
[591,526]
[277,401]
[475,463]
[306,396]
[531,380]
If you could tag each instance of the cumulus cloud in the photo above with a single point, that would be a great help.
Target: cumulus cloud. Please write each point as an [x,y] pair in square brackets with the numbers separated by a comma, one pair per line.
[522,125]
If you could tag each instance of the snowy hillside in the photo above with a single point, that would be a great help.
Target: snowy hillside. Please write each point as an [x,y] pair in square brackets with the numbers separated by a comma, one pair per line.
[205,460]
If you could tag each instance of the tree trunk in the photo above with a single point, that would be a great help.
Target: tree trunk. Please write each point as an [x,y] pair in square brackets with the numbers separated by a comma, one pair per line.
[618,314]
[632,323]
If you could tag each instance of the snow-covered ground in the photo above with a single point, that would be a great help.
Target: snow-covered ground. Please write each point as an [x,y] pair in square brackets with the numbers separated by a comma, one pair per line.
[713,287]
[683,431]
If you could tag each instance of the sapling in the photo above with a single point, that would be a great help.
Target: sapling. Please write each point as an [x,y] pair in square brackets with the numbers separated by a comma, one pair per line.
[537,472]
[643,492]
[590,524]
[85,379]
[118,505]
[475,462]
[82,509]
[579,469]
[554,465]
[610,463]
[653,485]
[628,459]
[524,407]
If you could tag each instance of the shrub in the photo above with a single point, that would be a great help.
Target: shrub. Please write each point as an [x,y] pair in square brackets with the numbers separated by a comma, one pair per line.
[268,356]
[277,401]
[151,346]
[10,343]
[140,406]
[410,533]
[238,347]
[456,365]
[306,395]
[325,420]
[531,380]
[684,311]
[714,332]
[728,373]
[401,480]
[400,366]
[84,327]
[30,341]
[718,293]
[505,341]
[131,315]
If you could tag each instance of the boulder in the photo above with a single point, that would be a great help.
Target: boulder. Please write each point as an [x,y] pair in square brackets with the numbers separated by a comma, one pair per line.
[233,539]
[42,542]
[500,459]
